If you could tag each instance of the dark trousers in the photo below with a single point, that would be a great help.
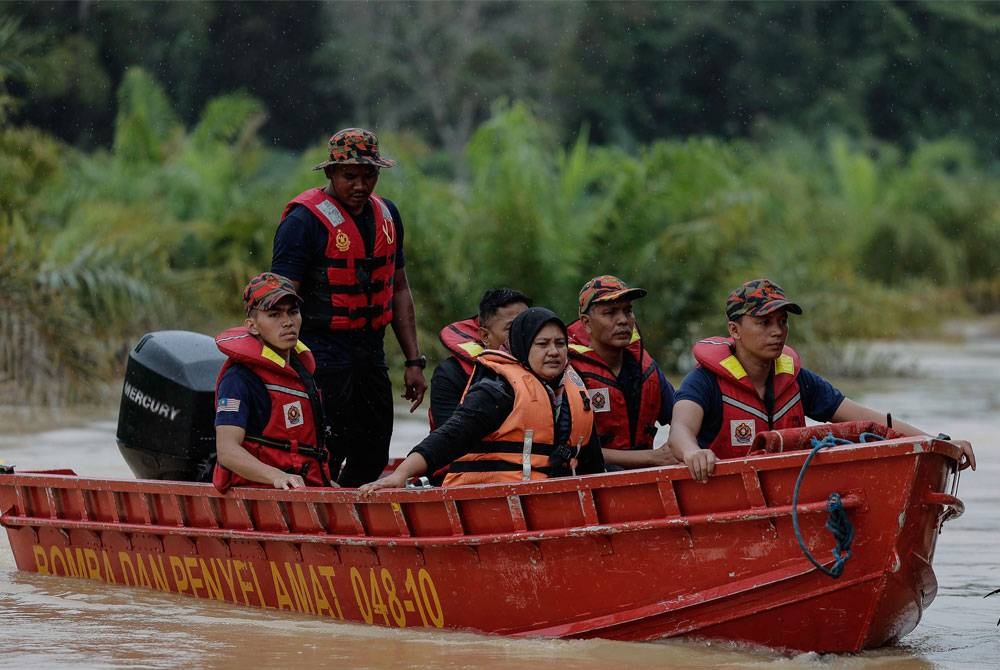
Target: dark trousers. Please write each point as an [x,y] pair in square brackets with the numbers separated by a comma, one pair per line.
[358,405]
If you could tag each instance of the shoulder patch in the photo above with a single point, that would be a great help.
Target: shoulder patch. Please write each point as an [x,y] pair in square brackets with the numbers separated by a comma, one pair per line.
[331,213]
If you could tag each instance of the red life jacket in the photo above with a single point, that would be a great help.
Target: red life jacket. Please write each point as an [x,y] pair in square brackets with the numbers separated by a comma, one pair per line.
[290,437]
[743,411]
[607,398]
[499,456]
[462,339]
[351,290]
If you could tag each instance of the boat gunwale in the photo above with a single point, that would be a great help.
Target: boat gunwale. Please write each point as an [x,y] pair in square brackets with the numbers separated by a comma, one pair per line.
[607,480]
[176,494]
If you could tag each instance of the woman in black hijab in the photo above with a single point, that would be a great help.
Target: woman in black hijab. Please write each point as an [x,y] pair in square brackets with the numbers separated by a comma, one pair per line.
[525,415]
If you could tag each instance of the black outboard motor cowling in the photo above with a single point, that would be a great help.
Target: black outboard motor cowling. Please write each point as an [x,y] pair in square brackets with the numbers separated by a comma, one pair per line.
[166,423]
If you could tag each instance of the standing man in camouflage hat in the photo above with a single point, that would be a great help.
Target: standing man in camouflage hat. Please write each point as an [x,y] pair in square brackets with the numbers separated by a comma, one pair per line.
[752,382]
[342,247]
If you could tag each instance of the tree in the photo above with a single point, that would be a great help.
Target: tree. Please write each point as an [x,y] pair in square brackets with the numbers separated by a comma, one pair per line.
[439,66]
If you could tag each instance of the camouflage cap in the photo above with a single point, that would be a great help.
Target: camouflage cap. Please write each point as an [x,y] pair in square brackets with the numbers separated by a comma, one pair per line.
[606,288]
[355,146]
[267,289]
[757,298]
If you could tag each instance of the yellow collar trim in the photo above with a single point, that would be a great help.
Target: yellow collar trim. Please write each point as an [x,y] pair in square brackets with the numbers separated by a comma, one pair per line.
[472,348]
[733,365]
[783,365]
[273,356]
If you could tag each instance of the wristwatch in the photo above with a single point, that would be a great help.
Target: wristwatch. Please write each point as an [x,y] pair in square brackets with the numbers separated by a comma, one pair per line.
[418,362]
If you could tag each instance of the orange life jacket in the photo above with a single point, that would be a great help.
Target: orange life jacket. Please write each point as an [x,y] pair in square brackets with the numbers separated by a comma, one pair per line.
[289,440]
[351,290]
[499,456]
[743,412]
[607,398]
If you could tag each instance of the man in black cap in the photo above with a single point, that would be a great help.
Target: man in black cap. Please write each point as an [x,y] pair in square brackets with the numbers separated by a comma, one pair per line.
[342,247]
[751,382]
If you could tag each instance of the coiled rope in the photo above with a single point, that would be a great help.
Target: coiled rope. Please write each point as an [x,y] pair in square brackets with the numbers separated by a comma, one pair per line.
[837,522]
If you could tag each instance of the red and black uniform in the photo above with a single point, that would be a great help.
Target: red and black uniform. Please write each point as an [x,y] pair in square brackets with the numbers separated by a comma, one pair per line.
[353,288]
[626,417]
[744,413]
[451,376]
[498,456]
[346,265]
[290,439]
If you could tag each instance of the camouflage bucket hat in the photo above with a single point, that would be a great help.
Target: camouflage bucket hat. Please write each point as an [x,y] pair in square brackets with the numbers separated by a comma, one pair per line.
[757,298]
[355,146]
[607,288]
[265,291]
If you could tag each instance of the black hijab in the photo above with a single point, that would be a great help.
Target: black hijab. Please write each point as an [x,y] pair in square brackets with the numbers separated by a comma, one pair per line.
[525,327]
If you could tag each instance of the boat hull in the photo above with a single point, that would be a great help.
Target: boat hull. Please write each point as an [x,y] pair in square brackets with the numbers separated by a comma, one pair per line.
[635,555]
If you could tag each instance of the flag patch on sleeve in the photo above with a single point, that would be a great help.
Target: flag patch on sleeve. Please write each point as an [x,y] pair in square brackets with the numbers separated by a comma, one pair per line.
[228,405]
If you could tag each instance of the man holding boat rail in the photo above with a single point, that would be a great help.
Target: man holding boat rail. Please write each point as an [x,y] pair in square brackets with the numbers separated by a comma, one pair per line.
[752,382]
[628,392]
[268,416]
[342,247]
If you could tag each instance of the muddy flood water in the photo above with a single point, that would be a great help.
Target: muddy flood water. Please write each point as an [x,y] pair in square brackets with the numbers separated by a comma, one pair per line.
[53,622]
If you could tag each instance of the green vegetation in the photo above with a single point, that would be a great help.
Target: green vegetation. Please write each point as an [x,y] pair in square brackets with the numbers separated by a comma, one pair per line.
[159,224]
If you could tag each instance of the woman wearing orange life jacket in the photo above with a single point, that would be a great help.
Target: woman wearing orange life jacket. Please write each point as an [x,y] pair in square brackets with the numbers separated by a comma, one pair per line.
[531,388]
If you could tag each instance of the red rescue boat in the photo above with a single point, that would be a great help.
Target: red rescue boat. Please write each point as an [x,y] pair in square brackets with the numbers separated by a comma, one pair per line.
[634,555]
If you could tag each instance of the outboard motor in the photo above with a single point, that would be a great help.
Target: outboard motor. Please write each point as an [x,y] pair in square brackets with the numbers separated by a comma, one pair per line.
[166,423]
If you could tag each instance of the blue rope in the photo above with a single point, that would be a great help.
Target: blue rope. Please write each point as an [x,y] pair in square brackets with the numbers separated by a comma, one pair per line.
[837,523]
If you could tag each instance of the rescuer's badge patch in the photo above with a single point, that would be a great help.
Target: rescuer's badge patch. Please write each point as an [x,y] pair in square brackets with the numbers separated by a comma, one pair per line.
[741,432]
[343,241]
[600,401]
[293,414]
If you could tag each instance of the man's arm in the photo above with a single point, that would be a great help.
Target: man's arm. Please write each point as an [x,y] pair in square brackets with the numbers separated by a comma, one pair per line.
[233,456]
[297,241]
[639,458]
[848,410]
[683,440]
[852,411]
[447,385]
[404,326]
